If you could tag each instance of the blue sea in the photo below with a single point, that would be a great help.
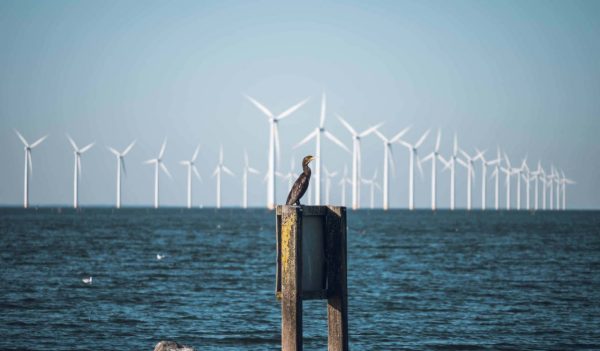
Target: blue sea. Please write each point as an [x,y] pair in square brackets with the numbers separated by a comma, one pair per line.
[416,280]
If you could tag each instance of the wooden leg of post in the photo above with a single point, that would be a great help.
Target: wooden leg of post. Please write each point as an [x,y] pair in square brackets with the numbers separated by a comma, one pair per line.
[291,279]
[337,300]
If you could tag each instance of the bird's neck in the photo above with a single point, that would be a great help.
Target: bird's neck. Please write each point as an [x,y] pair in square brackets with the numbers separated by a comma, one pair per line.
[306,170]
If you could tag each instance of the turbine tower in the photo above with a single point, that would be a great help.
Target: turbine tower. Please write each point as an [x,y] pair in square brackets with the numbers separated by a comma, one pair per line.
[28,165]
[412,150]
[469,164]
[247,169]
[496,176]
[564,181]
[451,164]
[273,145]
[158,163]
[317,134]
[535,176]
[434,156]
[77,168]
[527,178]
[388,158]
[484,166]
[518,171]
[508,170]
[372,184]
[120,168]
[342,183]
[191,167]
[356,174]
[220,168]
[328,176]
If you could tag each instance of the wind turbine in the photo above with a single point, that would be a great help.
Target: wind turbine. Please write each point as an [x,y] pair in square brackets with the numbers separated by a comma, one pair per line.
[342,183]
[388,157]
[273,144]
[120,168]
[77,168]
[317,134]
[544,179]
[158,163]
[412,150]
[372,184]
[356,137]
[191,167]
[451,164]
[518,171]
[469,164]
[220,168]
[535,176]
[28,165]
[328,176]
[557,181]
[564,181]
[496,176]
[509,171]
[484,166]
[549,180]
[434,156]
[247,169]
[527,178]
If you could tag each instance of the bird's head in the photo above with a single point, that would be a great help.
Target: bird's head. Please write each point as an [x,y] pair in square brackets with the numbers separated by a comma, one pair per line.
[307,160]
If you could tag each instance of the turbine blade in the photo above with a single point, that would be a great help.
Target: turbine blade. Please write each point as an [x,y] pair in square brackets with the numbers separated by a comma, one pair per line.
[428,157]
[347,125]
[370,130]
[115,152]
[87,147]
[307,138]
[455,149]
[422,139]
[332,137]
[29,163]
[399,135]
[391,158]
[123,165]
[507,161]
[277,146]
[228,171]
[162,149]
[196,153]
[419,166]
[216,171]
[291,110]
[79,164]
[72,142]
[164,168]
[260,106]
[151,161]
[126,151]
[465,155]
[22,138]
[253,171]
[404,143]
[196,173]
[323,106]
[463,163]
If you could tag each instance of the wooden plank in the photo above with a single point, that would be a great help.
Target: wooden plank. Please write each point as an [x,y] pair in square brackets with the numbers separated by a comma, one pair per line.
[278,252]
[337,302]
[291,278]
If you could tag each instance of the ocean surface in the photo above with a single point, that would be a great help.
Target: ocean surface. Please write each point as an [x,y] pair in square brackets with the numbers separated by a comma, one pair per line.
[416,280]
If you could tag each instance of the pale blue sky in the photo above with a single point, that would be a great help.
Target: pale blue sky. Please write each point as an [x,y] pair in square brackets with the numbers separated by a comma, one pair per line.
[524,75]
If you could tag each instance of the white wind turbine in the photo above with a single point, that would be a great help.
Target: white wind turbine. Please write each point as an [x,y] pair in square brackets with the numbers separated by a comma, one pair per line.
[549,181]
[28,165]
[342,183]
[527,178]
[318,133]
[158,163]
[535,176]
[273,145]
[372,184]
[434,156]
[544,179]
[328,176]
[247,169]
[191,167]
[509,171]
[557,181]
[469,164]
[484,166]
[356,173]
[518,171]
[496,176]
[388,158]
[120,168]
[220,168]
[564,181]
[451,164]
[412,150]
[77,168]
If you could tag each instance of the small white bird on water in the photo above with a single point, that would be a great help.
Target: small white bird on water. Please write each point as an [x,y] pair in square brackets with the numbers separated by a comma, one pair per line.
[159,257]
[87,280]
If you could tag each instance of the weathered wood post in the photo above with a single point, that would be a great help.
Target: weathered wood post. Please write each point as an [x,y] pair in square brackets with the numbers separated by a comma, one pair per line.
[311,264]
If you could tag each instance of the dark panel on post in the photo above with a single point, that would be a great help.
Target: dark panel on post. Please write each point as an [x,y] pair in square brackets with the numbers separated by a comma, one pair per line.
[291,278]
[337,302]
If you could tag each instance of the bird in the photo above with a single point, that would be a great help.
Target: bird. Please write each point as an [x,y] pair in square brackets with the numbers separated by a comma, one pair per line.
[87,280]
[159,257]
[301,184]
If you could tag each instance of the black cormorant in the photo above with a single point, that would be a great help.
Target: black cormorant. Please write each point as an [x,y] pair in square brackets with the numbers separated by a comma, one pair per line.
[301,184]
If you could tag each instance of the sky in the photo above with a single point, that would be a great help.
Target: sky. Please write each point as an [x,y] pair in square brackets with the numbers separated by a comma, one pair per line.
[520,75]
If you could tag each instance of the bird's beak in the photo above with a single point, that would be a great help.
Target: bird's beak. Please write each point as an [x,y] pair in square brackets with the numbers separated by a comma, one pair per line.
[312,158]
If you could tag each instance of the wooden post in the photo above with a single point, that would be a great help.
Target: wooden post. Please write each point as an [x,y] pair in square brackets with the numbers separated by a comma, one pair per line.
[337,287]
[289,277]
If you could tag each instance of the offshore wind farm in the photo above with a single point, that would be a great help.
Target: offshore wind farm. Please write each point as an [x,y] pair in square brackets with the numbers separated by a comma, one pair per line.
[264,175]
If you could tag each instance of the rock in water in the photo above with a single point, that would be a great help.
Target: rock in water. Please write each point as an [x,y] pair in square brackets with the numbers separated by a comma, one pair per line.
[171,346]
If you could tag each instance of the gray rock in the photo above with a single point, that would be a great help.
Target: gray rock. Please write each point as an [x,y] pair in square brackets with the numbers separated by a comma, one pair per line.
[171,346]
